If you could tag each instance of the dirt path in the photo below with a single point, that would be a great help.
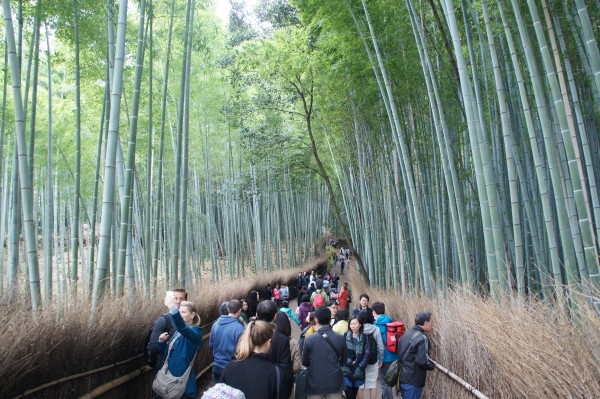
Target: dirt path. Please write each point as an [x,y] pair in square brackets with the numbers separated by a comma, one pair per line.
[334,269]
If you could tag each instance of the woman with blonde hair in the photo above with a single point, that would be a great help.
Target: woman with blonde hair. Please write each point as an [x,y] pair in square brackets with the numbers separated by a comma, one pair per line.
[252,372]
[180,350]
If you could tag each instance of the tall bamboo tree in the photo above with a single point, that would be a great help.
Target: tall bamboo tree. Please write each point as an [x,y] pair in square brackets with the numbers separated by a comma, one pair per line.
[23,162]
[77,193]
[108,196]
[49,200]
[129,171]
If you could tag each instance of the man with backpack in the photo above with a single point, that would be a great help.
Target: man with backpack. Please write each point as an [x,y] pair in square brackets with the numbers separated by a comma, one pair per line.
[414,353]
[319,297]
[323,354]
[163,325]
[381,319]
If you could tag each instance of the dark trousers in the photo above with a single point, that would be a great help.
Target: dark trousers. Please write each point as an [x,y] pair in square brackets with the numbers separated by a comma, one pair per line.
[351,393]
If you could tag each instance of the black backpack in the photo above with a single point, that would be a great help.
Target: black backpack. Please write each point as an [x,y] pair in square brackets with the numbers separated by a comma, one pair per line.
[151,354]
[373,353]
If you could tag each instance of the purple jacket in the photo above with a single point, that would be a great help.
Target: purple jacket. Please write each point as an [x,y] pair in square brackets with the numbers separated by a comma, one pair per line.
[303,310]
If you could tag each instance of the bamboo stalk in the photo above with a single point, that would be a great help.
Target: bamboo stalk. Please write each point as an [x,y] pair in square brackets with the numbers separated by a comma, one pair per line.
[459,380]
[115,383]
[75,376]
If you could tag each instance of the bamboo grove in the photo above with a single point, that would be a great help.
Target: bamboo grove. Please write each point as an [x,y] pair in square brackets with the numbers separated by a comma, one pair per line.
[192,207]
[498,167]
[152,143]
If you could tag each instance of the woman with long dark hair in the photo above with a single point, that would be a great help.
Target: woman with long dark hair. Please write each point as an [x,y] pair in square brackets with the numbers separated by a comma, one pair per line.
[252,304]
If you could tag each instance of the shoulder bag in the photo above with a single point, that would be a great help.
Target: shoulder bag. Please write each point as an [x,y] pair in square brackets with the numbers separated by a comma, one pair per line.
[395,371]
[165,384]
[326,338]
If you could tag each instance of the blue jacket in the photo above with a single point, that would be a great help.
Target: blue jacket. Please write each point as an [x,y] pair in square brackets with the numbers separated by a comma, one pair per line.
[290,314]
[380,323]
[183,351]
[224,336]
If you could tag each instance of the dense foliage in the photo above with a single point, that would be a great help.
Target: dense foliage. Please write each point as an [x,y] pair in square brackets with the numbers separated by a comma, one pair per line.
[449,141]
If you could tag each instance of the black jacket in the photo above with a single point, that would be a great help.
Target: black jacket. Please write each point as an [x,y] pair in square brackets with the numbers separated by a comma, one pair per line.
[415,362]
[267,294]
[369,311]
[324,373]
[255,376]
[161,325]
[280,354]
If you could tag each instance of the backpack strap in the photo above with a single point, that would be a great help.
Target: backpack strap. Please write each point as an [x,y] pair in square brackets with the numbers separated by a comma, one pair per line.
[278,374]
[415,336]
[168,322]
[326,338]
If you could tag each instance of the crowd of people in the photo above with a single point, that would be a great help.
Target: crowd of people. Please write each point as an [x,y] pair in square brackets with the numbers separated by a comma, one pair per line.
[340,352]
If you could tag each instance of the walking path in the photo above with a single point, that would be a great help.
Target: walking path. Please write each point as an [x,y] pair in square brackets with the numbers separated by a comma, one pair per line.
[334,269]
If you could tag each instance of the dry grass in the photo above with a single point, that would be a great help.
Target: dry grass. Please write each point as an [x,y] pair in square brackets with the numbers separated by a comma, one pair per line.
[509,348]
[59,342]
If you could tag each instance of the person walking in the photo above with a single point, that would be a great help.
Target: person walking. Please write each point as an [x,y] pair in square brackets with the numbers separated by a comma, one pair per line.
[252,365]
[299,282]
[181,349]
[277,294]
[303,310]
[358,348]
[319,297]
[280,352]
[284,307]
[413,350]
[343,297]
[364,307]
[323,354]
[224,337]
[285,292]
[341,327]
[252,304]
[381,319]
[267,293]
[282,323]
[372,334]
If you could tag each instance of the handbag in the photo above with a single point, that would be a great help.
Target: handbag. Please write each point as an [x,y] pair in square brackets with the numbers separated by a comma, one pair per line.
[165,384]
[391,377]
[395,371]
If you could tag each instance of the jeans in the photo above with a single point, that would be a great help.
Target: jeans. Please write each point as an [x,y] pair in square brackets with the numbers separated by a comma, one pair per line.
[386,391]
[410,391]
[216,374]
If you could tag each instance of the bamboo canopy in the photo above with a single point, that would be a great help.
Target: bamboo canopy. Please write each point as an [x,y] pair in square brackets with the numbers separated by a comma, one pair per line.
[448,142]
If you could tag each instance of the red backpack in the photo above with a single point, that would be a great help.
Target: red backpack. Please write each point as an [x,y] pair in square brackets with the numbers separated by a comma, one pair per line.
[394,331]
[319,300]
